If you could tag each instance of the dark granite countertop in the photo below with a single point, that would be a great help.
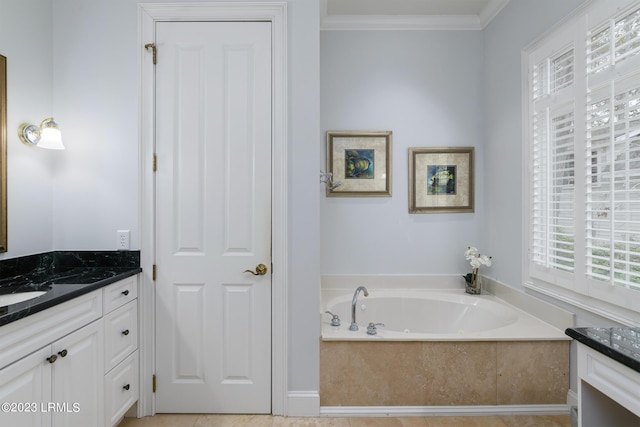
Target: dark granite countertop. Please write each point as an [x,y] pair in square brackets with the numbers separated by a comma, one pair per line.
[63,276]
[621,344]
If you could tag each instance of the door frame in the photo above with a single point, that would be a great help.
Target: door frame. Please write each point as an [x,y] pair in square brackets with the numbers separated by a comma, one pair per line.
[148,15]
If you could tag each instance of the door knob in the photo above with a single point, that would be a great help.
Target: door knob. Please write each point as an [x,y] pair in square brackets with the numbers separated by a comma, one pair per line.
[261,270]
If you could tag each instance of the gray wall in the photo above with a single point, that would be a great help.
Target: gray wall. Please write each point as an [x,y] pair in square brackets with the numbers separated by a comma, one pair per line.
[519,24]
[78,60]
[30,171]
[426,87]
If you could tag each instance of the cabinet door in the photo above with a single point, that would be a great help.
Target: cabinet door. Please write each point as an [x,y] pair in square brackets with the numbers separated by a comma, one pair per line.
[24,386]
[78,378]
[121,334]
[120,389]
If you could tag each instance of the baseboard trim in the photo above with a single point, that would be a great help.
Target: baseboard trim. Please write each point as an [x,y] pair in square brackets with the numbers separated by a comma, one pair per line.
[303,404]
[441,411]
[572,398]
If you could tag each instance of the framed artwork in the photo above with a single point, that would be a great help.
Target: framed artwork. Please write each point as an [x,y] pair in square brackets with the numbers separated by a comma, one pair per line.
[359,163]
[441,180]
[3,154]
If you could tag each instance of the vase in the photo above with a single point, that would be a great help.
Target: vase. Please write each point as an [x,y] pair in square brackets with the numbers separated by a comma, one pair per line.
[473,287]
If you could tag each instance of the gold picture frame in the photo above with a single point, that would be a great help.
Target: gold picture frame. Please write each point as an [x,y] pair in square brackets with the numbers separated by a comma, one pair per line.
[359,163]
[3,154]
[441,180]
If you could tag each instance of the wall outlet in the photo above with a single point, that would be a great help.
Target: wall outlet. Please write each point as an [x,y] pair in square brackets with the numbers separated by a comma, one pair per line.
[124,240]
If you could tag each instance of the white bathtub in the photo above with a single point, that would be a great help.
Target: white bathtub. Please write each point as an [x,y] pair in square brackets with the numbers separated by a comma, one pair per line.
[431,315]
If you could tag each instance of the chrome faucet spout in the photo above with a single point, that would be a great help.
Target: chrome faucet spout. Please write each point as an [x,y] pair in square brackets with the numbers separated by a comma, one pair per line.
[354,301]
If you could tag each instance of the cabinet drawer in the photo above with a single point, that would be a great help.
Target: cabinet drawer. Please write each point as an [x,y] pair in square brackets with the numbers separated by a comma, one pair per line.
[612,378]
[26,335]
[120,334]
[120,389]
[119,293]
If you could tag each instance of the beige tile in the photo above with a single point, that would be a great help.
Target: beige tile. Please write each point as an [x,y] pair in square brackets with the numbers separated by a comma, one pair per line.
[469,421]
[179,420]
[161,420]
[375,422]
[532,372]
[234,421]
[385,374]
[460,373]
[310,422]
[334,373]
[538,421]
[413,422]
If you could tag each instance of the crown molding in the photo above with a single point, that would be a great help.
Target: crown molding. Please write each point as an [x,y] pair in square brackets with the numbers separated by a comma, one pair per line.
[400,22]
[410,22]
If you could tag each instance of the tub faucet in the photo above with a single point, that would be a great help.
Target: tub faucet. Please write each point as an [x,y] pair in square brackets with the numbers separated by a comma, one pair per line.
[354,325]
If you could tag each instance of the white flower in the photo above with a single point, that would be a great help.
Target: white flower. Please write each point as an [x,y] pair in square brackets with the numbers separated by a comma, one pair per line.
[470,253]
[475,258]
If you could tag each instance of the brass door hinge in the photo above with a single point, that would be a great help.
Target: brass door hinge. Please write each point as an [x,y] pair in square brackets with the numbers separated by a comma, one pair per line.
[152,46]
[155,162]
[153,383]
[153,273]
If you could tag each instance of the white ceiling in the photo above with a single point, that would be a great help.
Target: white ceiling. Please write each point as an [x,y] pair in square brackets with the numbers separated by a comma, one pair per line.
[408,14]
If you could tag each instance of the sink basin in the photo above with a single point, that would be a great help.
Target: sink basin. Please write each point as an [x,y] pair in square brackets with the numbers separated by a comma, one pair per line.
[9,299]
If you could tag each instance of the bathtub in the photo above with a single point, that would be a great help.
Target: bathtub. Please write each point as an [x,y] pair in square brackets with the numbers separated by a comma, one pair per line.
[441,351]
[431,314]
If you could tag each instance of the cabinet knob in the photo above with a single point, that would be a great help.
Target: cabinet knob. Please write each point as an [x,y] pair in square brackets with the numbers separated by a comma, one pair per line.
[63,353]
[125,332]
[125,293]
[126,387]
[52,358]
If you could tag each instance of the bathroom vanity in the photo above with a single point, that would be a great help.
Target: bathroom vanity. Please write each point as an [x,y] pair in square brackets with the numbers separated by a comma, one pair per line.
[70,356]
[608,376]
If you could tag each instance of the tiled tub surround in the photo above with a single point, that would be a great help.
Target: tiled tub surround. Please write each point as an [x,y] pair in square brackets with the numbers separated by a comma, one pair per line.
[506,367]
[63,275]
[433,373]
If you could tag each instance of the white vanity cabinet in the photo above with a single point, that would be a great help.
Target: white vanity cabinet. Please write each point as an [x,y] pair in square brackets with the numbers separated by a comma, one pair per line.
[72,364]
[25,382]
[76,381]
[608,392]
[121,349]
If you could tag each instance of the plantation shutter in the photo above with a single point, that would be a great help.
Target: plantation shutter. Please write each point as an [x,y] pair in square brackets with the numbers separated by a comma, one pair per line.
[613,153]
[613,183]
[613,42]
[552,239]
[583,155]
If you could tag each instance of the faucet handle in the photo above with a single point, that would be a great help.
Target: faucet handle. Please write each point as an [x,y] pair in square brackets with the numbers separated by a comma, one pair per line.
[335,319]
[372,328]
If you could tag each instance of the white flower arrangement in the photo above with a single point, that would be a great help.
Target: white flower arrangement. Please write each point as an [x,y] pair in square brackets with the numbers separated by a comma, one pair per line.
[476,259]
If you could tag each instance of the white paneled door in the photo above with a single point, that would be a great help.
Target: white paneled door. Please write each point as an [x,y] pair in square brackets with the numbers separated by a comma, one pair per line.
[213,217]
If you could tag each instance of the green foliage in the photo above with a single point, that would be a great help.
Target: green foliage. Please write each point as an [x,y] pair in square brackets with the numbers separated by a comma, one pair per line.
[468,278]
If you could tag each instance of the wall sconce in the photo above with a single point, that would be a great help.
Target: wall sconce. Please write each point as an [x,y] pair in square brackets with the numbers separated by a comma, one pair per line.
[47,135]
[327,179]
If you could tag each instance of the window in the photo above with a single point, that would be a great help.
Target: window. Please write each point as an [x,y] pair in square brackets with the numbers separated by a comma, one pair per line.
[583,158]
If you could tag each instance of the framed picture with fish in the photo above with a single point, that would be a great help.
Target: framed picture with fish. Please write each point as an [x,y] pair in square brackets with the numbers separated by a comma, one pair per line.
[359,163]
[441,180]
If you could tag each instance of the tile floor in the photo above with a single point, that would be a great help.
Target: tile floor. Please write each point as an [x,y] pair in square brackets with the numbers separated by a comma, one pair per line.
[171,420]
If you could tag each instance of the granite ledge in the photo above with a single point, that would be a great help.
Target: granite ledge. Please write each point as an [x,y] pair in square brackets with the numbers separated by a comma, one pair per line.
[63,275]
[622,344]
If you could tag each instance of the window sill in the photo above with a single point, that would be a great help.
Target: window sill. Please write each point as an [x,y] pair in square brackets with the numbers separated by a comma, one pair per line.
[608,311]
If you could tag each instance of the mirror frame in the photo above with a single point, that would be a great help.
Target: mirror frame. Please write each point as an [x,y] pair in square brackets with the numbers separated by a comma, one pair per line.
[3,154]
